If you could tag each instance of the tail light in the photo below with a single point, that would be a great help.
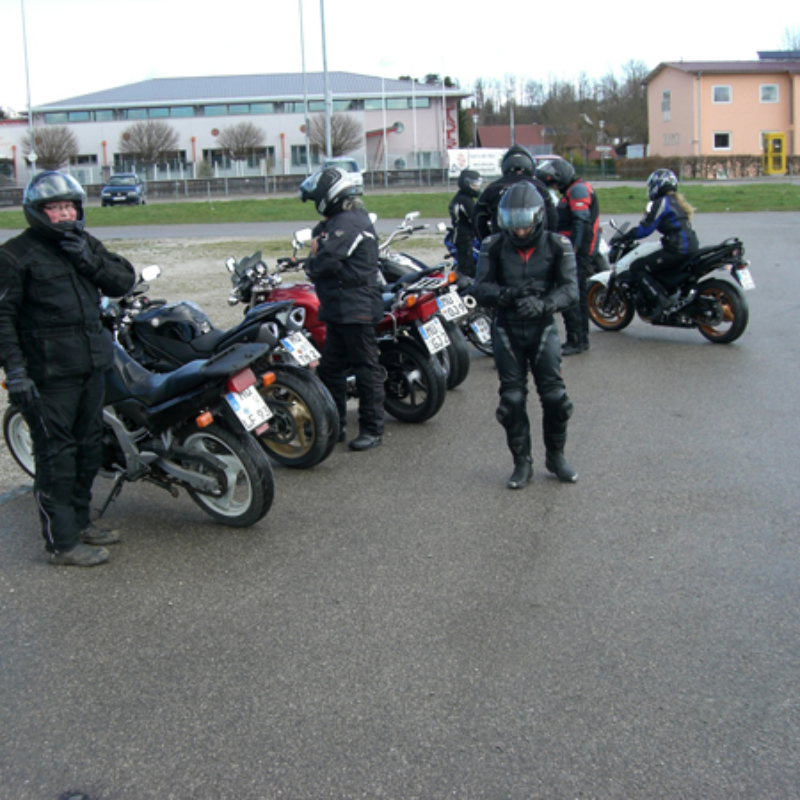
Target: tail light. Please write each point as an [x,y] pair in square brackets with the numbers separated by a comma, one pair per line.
[205,419]
[241,381]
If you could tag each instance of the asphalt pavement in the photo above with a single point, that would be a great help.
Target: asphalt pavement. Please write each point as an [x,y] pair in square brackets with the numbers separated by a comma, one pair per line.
[403,626]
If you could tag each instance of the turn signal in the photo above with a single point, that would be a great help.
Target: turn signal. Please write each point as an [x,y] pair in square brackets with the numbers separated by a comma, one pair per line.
[205,419]
[452,277]
[411,300]
[268,378]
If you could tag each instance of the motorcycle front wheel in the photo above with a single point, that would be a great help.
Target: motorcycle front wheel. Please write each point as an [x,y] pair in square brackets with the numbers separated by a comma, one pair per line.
[415,383]
[611,312]
[250,486]
[730,316]
[478,316]
[305,424]
[18,439]
[455,357]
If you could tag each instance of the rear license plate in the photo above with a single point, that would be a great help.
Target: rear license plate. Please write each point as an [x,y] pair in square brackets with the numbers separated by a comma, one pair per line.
[451,306]
[434,335]
[745,278]
[249,407]
[300,349]
[482,329]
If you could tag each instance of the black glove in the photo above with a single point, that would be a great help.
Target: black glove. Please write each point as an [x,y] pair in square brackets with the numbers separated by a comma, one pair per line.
[77,250]
[530,306]
[508,296]
[21,389]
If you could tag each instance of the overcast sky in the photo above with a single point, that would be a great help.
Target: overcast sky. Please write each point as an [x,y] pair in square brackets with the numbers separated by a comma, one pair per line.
[80,46]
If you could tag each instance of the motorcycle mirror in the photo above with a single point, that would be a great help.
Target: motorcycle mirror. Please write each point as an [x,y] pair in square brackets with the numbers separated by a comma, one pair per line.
[441,227]
[230,264]
[303,236]
[150,273]
[373,217]
[411,216]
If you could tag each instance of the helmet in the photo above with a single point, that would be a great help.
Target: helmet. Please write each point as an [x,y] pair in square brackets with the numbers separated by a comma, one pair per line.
[517,159]
[556,173]
[470,182]
[521,207]
[52,187]
[660,182]
[327,189]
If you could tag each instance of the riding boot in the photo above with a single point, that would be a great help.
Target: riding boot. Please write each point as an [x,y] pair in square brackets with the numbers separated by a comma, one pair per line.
[572,346]
[523,464]
[554,459]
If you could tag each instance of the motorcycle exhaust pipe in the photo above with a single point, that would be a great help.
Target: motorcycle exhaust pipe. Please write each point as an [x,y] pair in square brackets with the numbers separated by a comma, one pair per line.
[469,302]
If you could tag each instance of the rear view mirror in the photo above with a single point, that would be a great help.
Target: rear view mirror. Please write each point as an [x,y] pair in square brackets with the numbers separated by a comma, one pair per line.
[150,273]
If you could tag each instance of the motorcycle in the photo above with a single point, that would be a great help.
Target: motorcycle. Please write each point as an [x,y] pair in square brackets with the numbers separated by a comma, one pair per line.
[415,384]
[185,429]
[716,307]
[163,336]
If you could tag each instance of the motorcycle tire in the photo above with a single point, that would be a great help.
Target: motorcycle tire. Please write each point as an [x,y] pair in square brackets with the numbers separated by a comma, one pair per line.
[305,424]
[18,439]
[733,315]
[618,316]
[455,357]
[471,334]
[415,382]
[251,486]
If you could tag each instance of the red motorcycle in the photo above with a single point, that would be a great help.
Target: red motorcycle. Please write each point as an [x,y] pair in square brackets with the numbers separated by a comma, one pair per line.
[409,335]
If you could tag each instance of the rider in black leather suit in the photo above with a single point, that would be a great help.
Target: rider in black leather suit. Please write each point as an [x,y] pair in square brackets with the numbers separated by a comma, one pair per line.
[528,274]
[462,211]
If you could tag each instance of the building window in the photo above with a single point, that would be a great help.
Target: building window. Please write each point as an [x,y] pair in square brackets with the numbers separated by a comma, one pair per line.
[182,111]
[722,94]
[421,102]
[215,111]
[104,116]
[722,141]
[665,105]
[769,92]
[157,113]
[299,156]
[78,160]
[56,119]
[375,104]
[79,116]
[239,108]
[262,108]
[672,139]
[134,113]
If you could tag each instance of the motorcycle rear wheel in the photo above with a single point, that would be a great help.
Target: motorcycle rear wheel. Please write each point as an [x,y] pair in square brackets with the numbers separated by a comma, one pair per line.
[18,439]
[734,312]
[471,335]
[305,425]
[620,313]
[455,357]
[251,486]
[415,382]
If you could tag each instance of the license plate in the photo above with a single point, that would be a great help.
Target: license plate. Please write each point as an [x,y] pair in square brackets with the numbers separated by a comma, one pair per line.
[745,278]
[119,197]
[249,407]
[482,329]
[300,349]
[434,335]
[451,306]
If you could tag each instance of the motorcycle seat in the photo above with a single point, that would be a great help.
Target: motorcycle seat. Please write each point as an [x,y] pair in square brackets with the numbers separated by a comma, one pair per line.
[152,388]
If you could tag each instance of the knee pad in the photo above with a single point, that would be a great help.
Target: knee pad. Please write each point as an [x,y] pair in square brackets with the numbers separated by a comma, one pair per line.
[511,408]
[558,407]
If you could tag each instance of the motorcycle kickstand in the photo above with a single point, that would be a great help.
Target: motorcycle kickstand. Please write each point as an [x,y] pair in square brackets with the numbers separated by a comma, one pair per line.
[113,494]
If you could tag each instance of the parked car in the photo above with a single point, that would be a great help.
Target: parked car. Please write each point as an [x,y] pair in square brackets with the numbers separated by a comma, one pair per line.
[350,166]
[123,188]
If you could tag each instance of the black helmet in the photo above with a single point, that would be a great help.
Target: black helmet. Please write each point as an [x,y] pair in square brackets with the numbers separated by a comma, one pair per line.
[52,187]
[660,182]
[521,207]
[556,173]
[327,189]
[517,159]
[470,182]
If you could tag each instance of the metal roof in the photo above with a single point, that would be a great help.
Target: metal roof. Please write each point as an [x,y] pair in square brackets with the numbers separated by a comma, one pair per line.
[247,88]
[729,67]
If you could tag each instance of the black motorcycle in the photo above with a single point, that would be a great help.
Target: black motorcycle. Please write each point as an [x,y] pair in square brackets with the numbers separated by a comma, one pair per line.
[187,429]
[716,307]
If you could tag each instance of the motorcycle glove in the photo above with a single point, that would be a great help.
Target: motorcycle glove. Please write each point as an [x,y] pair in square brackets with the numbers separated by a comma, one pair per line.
[531,307]
[77,250]
[507,296]
[22,390]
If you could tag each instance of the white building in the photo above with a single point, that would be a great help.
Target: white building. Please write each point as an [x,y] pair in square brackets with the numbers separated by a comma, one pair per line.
[405,124]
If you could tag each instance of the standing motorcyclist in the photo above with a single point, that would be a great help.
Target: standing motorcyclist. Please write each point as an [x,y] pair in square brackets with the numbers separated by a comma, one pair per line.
[528,274]
[55,351]
[344,269]
[517,165]
[579,220]
[671,215]
[462,211]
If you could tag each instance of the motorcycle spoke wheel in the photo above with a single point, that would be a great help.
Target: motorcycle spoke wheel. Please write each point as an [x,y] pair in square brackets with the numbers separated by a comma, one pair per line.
[415,383]
[18,439]
[455,357]
[610,313]
[729,320]
[249,490]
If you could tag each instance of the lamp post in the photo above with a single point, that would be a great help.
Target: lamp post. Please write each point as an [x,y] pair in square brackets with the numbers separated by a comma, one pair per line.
[328,104]
[32,154]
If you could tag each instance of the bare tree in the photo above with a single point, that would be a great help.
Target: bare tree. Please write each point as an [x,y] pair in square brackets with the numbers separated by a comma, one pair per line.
[53,145]
[239,141]
[346,133]
[791,38]
[149,142]
[623,104]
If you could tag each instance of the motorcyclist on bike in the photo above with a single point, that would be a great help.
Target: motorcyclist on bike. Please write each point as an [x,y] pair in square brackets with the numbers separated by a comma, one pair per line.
[671,215]
[517,165]
[528,274]
[462,211]
[578,220]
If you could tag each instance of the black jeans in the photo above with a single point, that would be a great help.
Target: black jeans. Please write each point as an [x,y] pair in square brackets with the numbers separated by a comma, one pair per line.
[353,349]
[66,428]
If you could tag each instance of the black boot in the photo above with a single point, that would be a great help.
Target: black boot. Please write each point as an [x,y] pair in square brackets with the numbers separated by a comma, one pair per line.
[523,472]
[555,438]
[557,464]
[572,346]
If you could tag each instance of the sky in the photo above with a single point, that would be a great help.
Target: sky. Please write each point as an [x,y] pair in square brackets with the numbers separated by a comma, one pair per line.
[75,47]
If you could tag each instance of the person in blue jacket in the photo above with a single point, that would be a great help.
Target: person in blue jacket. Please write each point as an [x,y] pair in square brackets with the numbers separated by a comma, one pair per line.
[671,215]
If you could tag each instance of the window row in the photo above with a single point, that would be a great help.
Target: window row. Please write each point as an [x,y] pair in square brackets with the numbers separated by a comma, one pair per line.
[232,109]
[767,93]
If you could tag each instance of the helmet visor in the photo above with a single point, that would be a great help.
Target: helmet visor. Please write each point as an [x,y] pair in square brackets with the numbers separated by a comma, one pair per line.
[515,219]
[308,186]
